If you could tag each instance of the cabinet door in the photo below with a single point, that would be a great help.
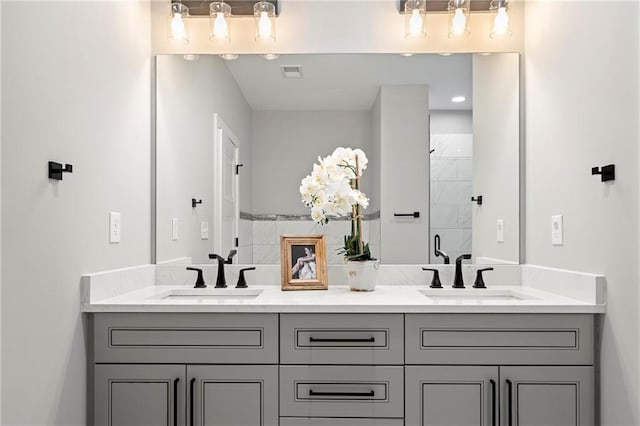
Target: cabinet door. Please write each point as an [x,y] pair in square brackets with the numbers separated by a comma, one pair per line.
[134,395]
[547,396]
[451,396]
[229,395]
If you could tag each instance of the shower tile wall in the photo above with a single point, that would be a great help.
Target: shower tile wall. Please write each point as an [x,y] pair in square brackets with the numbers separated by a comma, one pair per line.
[451,188]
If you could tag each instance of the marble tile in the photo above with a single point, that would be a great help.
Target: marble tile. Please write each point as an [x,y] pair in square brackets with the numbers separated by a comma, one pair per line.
[245,230]
[297,227]
[465,191]
[446,192]
[465,244]
[465,169]
[454,146]
[266,254]
[444,215]
[464,215]
[264,232]
[444,169]
[245,255]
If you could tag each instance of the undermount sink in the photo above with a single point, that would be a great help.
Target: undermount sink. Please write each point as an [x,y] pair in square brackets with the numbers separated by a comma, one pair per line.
[475,295]
[211,294]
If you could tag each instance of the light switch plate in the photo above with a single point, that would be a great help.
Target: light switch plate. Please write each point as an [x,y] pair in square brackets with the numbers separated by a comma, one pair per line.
[500,230]
[174,229]
[556,230]
[204,230]
[115,227]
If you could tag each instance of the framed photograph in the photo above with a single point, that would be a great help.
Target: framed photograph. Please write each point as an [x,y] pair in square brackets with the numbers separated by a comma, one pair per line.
[304,262]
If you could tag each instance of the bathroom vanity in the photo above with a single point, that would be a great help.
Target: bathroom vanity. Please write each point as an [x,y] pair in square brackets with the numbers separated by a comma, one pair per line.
[517,356]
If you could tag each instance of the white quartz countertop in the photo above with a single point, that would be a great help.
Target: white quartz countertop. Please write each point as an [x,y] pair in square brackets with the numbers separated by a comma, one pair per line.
[339,299]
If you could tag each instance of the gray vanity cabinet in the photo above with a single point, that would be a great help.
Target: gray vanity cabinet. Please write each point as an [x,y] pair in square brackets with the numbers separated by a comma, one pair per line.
[132,395]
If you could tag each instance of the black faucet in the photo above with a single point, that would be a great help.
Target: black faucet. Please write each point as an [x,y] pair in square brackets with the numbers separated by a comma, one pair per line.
[437,251]
[199,281]
[221,281]
[458,282]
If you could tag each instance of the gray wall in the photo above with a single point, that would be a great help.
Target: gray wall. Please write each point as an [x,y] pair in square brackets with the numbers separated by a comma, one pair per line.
[582,110]
[76,89]
[188,94]
[496,135]
[404,173]
[286,144]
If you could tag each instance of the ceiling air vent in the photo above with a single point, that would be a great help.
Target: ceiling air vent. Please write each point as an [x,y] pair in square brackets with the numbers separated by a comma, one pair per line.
[291,71]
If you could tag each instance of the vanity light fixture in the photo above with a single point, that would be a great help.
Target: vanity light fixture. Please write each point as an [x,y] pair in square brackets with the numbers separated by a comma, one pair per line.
[270,56]
[191,57]
[265,17]
[177,25]
[229,56]
[415,16]
[501,25]
[219,12]
[458,18]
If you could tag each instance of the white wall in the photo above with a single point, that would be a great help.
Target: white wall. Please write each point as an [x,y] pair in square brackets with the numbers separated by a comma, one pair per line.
[286,144]
[188,94]
[404,173]
[496,136]
[582,110]
[76,89]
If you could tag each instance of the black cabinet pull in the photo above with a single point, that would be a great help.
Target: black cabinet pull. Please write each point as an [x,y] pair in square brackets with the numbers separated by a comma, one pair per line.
[337,340]
[175,402]
[192,390]
[314,393]
[509,402]
[414,214]
[493,402]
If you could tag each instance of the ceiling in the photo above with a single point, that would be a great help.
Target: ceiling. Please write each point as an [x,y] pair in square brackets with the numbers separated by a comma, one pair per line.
[349,81]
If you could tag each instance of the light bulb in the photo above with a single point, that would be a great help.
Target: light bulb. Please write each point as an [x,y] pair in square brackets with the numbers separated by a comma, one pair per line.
[220,27]
[459,22]
[500,23]
[178,30]
[415,23]
[264,25]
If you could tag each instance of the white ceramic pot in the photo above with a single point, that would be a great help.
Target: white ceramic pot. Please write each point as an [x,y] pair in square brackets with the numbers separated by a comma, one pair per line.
[362,275]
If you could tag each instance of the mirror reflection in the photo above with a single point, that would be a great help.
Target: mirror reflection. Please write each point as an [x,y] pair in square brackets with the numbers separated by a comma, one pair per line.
[240,135]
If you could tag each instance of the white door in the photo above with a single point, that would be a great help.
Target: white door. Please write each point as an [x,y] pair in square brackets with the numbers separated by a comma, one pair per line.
[225,193]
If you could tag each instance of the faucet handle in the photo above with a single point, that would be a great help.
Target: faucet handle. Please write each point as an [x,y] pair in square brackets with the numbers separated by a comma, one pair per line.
[232,253]
[479,283]
[242,282]
[435,281]
[199,281]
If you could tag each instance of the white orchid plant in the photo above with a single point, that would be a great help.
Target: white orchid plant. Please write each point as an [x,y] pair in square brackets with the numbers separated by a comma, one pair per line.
[333,189]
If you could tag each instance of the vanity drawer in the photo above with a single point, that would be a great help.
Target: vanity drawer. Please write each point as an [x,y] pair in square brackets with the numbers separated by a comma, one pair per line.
[341,339]
[341,391]
[499,339]
[186,338]
[315,421]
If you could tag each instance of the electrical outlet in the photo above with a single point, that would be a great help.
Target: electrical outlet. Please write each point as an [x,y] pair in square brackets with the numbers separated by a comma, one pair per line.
[556,230]
[500,230]
[115,227]
[204,230]
[174,229]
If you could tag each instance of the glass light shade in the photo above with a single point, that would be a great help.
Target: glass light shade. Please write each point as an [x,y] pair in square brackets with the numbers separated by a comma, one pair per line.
[265,17]
[177,26]
[219,12]
[415,14]
[501,26]
[458,18]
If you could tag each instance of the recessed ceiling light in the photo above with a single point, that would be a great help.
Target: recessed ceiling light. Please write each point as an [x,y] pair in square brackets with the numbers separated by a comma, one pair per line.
[270,56]
[458,99]
[406,54]
[445,54]
[229,56]
[191,57]
[485,53]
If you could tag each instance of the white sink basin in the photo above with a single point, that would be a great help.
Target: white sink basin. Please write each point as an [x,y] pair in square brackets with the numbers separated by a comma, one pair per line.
[475,295]
[210,294]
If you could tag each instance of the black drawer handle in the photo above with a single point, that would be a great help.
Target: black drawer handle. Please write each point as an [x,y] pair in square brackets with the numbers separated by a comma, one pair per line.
[414,214]
[192,386]
[175,402]
[493,402]
[509,402]
[314,393]
[336,340]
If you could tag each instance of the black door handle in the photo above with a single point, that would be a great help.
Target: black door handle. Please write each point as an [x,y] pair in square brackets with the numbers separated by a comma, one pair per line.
[338,340]
[509,402]
[314,393]
[493,402]
[175,402]
[192,390]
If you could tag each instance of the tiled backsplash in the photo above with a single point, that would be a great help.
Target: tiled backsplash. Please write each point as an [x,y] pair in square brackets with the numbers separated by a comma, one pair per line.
[260,236]
[451,190]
